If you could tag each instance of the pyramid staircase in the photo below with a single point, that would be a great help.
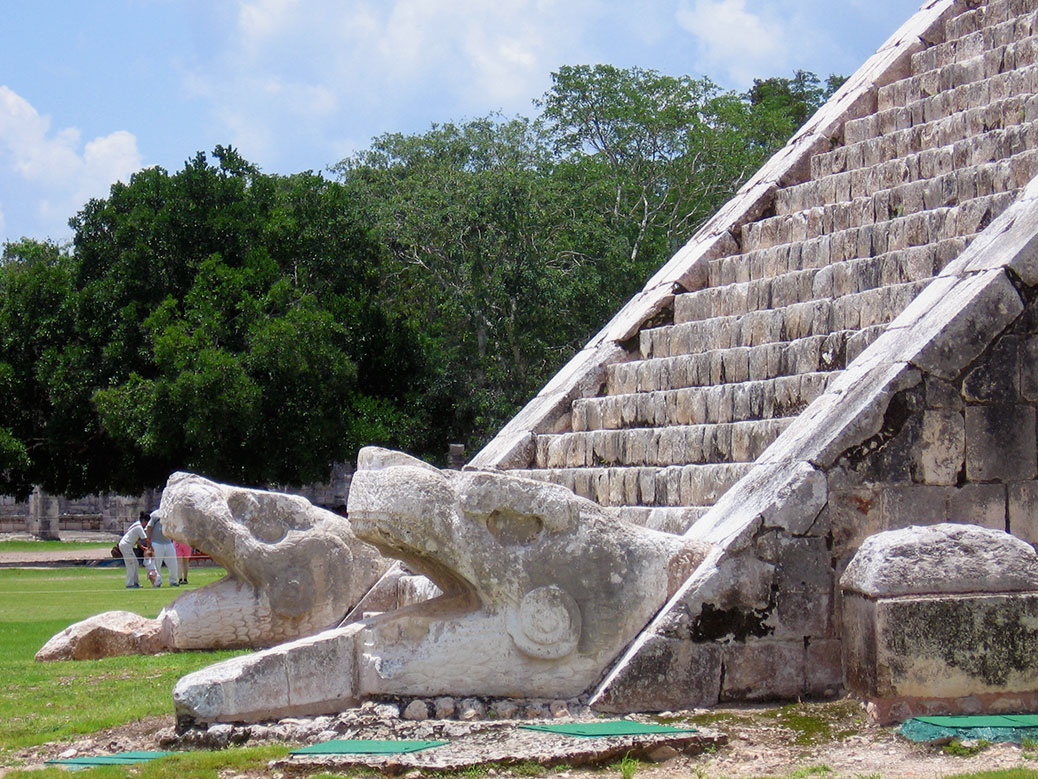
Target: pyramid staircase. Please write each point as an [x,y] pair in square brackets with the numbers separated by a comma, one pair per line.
[744,397]
[711,380]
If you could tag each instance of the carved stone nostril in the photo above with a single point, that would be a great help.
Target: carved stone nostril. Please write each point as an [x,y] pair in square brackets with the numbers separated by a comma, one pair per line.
[547,623]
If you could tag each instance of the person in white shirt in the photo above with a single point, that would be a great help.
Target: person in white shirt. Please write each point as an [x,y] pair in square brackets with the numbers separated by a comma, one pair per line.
[127,543]
[165,554]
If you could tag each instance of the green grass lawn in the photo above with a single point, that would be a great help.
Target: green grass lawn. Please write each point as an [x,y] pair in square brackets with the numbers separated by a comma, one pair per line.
[60,700]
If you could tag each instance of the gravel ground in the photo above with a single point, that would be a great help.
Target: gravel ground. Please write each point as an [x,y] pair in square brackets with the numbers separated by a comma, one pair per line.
[813,739]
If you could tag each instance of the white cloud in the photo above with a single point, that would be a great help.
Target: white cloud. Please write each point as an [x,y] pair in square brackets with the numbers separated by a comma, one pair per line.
[741,42]
[312,74]
[263,18]
[63,172]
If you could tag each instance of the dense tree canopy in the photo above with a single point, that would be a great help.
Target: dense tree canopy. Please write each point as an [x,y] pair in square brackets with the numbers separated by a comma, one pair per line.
[256,328]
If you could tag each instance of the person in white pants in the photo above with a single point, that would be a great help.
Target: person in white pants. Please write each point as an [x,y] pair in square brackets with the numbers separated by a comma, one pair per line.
[165,554]
[129,540]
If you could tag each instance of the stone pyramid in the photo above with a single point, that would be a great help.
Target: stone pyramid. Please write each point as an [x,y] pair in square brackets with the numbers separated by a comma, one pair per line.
[848,346]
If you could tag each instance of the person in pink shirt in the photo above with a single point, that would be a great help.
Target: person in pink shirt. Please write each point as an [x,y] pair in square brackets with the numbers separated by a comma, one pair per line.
[183,559]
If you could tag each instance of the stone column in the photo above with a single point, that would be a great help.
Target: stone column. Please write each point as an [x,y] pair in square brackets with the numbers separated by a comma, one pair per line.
[456,456]
[43,515]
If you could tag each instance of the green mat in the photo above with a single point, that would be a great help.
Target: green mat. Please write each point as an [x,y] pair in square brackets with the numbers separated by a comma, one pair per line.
[607,728]
[993,727]
[364,746]
[122,758]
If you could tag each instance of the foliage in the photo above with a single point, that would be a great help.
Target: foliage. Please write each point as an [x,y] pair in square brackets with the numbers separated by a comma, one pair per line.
[216,320]
[970,748]
[628,766]
[256,328]
[663,151]
[474,216]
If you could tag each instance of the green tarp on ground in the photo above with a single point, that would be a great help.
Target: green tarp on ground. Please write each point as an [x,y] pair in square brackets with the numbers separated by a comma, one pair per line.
[607,728]
[364,746]
[992,727]
[122,758]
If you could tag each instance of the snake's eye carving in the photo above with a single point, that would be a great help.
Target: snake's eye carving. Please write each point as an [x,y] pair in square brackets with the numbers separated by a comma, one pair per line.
[546,624]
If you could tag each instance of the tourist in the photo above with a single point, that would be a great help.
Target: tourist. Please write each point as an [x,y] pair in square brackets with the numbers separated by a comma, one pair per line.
[183,559]
[127,546]
[165,553]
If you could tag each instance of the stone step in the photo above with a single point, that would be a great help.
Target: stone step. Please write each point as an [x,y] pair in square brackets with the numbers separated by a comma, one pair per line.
[951,174]
[740,442]
[733,402]
[881,293]
[675,520]
[817,353]
[976,66]
[677,485]
[951,143]
[871,141]
[965,40]
[851,222]
[812,283]
[802,275]
[918,99]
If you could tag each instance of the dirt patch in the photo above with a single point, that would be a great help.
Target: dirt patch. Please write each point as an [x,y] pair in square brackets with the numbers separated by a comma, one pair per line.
[810,739]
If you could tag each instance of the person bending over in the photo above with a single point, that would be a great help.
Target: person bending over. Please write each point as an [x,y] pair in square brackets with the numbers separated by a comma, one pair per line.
[127,546]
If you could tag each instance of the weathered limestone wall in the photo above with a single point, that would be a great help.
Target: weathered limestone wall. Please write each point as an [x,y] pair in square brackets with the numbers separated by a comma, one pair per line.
[949,451]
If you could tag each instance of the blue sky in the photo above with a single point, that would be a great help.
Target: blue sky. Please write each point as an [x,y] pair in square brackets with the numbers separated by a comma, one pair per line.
[92,91]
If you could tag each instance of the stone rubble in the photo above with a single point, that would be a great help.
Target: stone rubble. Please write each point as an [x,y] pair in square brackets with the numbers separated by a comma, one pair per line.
[487,740]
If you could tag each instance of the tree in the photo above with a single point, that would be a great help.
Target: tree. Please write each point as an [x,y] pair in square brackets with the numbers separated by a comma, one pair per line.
[215,319]
[510,241]
[782,105]
[667,150]
[469,215]
[46,420]
[256,328]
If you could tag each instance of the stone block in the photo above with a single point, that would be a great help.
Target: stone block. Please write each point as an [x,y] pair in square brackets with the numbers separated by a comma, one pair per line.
[953,321]
[1029,369]
[804,586]
[977,504]
[1000,442]
[940,449]
[942,394]
[918,504]
[289,679]
[663,674]
[1023,511]
[941,559]
[763,670]
[853,513]
[947,646]
[997,377]
[823,667]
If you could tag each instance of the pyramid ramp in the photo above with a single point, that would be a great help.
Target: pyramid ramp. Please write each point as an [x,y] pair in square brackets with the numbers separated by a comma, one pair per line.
[846,347]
